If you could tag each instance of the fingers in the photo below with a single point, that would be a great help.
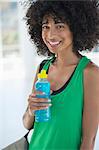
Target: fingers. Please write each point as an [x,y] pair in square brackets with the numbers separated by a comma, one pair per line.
[38,103]
[37,106]
[35,93]
[38,100]
[39,93]
[41,104]
[35,103]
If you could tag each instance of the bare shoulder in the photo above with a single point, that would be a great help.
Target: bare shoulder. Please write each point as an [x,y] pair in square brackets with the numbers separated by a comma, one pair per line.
[91,82]
[91,72]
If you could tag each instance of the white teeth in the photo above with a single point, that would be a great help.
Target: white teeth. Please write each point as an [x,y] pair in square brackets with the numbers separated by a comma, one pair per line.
[54,43]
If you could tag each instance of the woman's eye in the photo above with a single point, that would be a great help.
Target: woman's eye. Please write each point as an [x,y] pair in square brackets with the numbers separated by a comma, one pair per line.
[60,26]
[45,27]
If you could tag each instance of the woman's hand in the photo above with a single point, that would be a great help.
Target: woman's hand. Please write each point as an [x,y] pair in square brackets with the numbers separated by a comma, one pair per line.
[35,103]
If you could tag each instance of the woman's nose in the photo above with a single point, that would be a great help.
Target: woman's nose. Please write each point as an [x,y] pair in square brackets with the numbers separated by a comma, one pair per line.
[52,33]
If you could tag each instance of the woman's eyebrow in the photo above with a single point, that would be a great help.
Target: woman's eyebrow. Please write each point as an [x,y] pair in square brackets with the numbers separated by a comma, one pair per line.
[58,21]
[44,22]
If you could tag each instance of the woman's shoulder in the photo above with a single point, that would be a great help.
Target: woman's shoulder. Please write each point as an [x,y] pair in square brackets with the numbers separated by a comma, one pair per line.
[92,69]
[91,76]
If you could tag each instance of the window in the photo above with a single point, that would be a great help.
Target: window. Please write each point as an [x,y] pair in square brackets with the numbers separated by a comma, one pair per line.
[11,60]
[9,29]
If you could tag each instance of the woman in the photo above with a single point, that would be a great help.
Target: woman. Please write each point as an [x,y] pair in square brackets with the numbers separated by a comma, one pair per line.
[60,30]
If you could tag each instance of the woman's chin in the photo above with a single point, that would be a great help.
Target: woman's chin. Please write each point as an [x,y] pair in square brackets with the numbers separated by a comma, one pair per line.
[53,49]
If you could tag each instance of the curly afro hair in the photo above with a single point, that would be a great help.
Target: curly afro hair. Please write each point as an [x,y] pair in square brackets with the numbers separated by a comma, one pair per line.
[81,16]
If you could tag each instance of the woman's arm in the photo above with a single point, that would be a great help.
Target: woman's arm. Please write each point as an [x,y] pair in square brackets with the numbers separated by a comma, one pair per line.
[28,117]
[91,107]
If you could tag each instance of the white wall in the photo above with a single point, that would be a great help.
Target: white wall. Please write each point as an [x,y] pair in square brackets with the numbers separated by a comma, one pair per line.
[15,86]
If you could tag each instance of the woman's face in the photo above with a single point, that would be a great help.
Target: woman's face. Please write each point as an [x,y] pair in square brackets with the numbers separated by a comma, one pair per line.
[56,35]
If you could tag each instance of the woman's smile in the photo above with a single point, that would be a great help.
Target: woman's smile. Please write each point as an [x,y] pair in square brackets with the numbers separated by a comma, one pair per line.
[54,44]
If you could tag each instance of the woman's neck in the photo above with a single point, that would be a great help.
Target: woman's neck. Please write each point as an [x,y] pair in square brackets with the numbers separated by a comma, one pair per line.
[64,60]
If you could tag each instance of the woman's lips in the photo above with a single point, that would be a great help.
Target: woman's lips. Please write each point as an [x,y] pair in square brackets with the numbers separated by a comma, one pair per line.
[54,44]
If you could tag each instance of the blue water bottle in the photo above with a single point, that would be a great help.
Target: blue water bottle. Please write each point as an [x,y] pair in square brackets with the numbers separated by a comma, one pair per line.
[43,85]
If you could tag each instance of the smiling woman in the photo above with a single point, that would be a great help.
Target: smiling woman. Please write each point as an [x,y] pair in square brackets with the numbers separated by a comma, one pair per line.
[60,30]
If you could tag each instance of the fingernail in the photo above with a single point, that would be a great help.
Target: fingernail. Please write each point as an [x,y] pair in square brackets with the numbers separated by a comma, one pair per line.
[49,100]
[33,94]
[46,107]
[50,104]
[43,93]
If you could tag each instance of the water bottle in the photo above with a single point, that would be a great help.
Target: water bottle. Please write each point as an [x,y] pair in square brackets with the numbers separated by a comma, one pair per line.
[43,85]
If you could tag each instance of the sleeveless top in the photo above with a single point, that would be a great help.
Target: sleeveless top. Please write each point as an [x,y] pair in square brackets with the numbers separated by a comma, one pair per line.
[64,86]
[64,130]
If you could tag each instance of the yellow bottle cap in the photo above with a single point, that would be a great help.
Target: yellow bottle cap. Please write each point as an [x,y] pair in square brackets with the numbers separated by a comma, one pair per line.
[42,74]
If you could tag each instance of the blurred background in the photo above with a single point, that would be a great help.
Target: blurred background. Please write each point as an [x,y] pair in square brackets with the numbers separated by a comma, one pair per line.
[18,64]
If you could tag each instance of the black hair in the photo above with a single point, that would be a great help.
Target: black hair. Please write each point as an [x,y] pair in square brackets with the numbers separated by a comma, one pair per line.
[82,17]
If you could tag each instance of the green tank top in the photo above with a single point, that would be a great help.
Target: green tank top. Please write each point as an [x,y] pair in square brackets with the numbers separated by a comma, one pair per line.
[64,130]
